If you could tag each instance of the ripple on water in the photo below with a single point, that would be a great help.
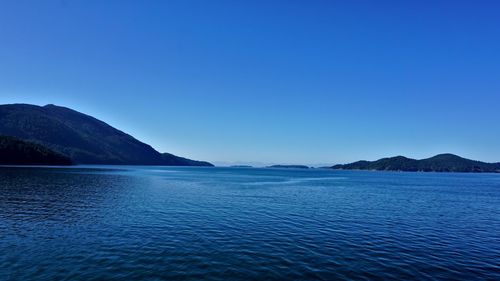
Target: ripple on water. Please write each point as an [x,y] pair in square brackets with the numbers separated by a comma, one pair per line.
[246,224]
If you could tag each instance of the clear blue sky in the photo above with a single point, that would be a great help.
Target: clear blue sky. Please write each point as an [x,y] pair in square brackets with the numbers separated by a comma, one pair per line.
[266,81]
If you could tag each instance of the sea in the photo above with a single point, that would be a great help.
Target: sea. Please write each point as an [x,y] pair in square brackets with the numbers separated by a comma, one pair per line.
[204,223]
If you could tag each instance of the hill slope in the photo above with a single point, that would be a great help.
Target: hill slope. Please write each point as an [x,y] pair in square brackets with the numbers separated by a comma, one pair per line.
[17,152]
[438,163]
[83,138]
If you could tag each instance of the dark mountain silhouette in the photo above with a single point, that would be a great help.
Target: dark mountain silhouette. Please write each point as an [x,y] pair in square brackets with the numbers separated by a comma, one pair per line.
[14,151]
[439,163]
[82,138]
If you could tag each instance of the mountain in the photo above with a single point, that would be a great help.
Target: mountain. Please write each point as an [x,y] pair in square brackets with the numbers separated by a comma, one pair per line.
[84,139]
[14,151]
[439,163]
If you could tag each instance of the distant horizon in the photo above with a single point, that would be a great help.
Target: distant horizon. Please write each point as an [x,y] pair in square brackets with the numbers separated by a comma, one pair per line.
[256,163]
[266,82]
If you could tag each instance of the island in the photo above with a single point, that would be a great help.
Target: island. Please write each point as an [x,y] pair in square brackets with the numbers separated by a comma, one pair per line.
[440,163]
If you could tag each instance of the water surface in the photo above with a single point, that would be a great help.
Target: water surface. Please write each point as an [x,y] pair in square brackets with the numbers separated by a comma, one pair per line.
[157,223]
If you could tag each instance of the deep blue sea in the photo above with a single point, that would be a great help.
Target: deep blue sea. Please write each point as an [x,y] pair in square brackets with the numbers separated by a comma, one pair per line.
[172,223]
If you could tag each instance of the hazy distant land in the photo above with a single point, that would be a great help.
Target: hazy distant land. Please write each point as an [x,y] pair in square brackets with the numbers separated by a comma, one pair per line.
[289,166]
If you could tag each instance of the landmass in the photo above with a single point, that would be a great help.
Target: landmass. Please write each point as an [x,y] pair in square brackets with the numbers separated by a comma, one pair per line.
[440,163]
[81,138]
[14,151]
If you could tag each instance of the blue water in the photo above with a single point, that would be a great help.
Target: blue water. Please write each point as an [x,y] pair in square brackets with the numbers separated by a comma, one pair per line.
[160,223]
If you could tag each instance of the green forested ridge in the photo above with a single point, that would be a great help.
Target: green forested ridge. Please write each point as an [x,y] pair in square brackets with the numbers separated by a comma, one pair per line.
[84,139]
[439,163]
[14,151]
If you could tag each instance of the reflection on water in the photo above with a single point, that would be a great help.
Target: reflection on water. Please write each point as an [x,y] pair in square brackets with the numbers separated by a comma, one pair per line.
[246,224]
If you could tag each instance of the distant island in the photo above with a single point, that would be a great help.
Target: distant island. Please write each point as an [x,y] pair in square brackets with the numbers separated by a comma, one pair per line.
[289,166]
[14,151]
[439,163]
[81,138]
